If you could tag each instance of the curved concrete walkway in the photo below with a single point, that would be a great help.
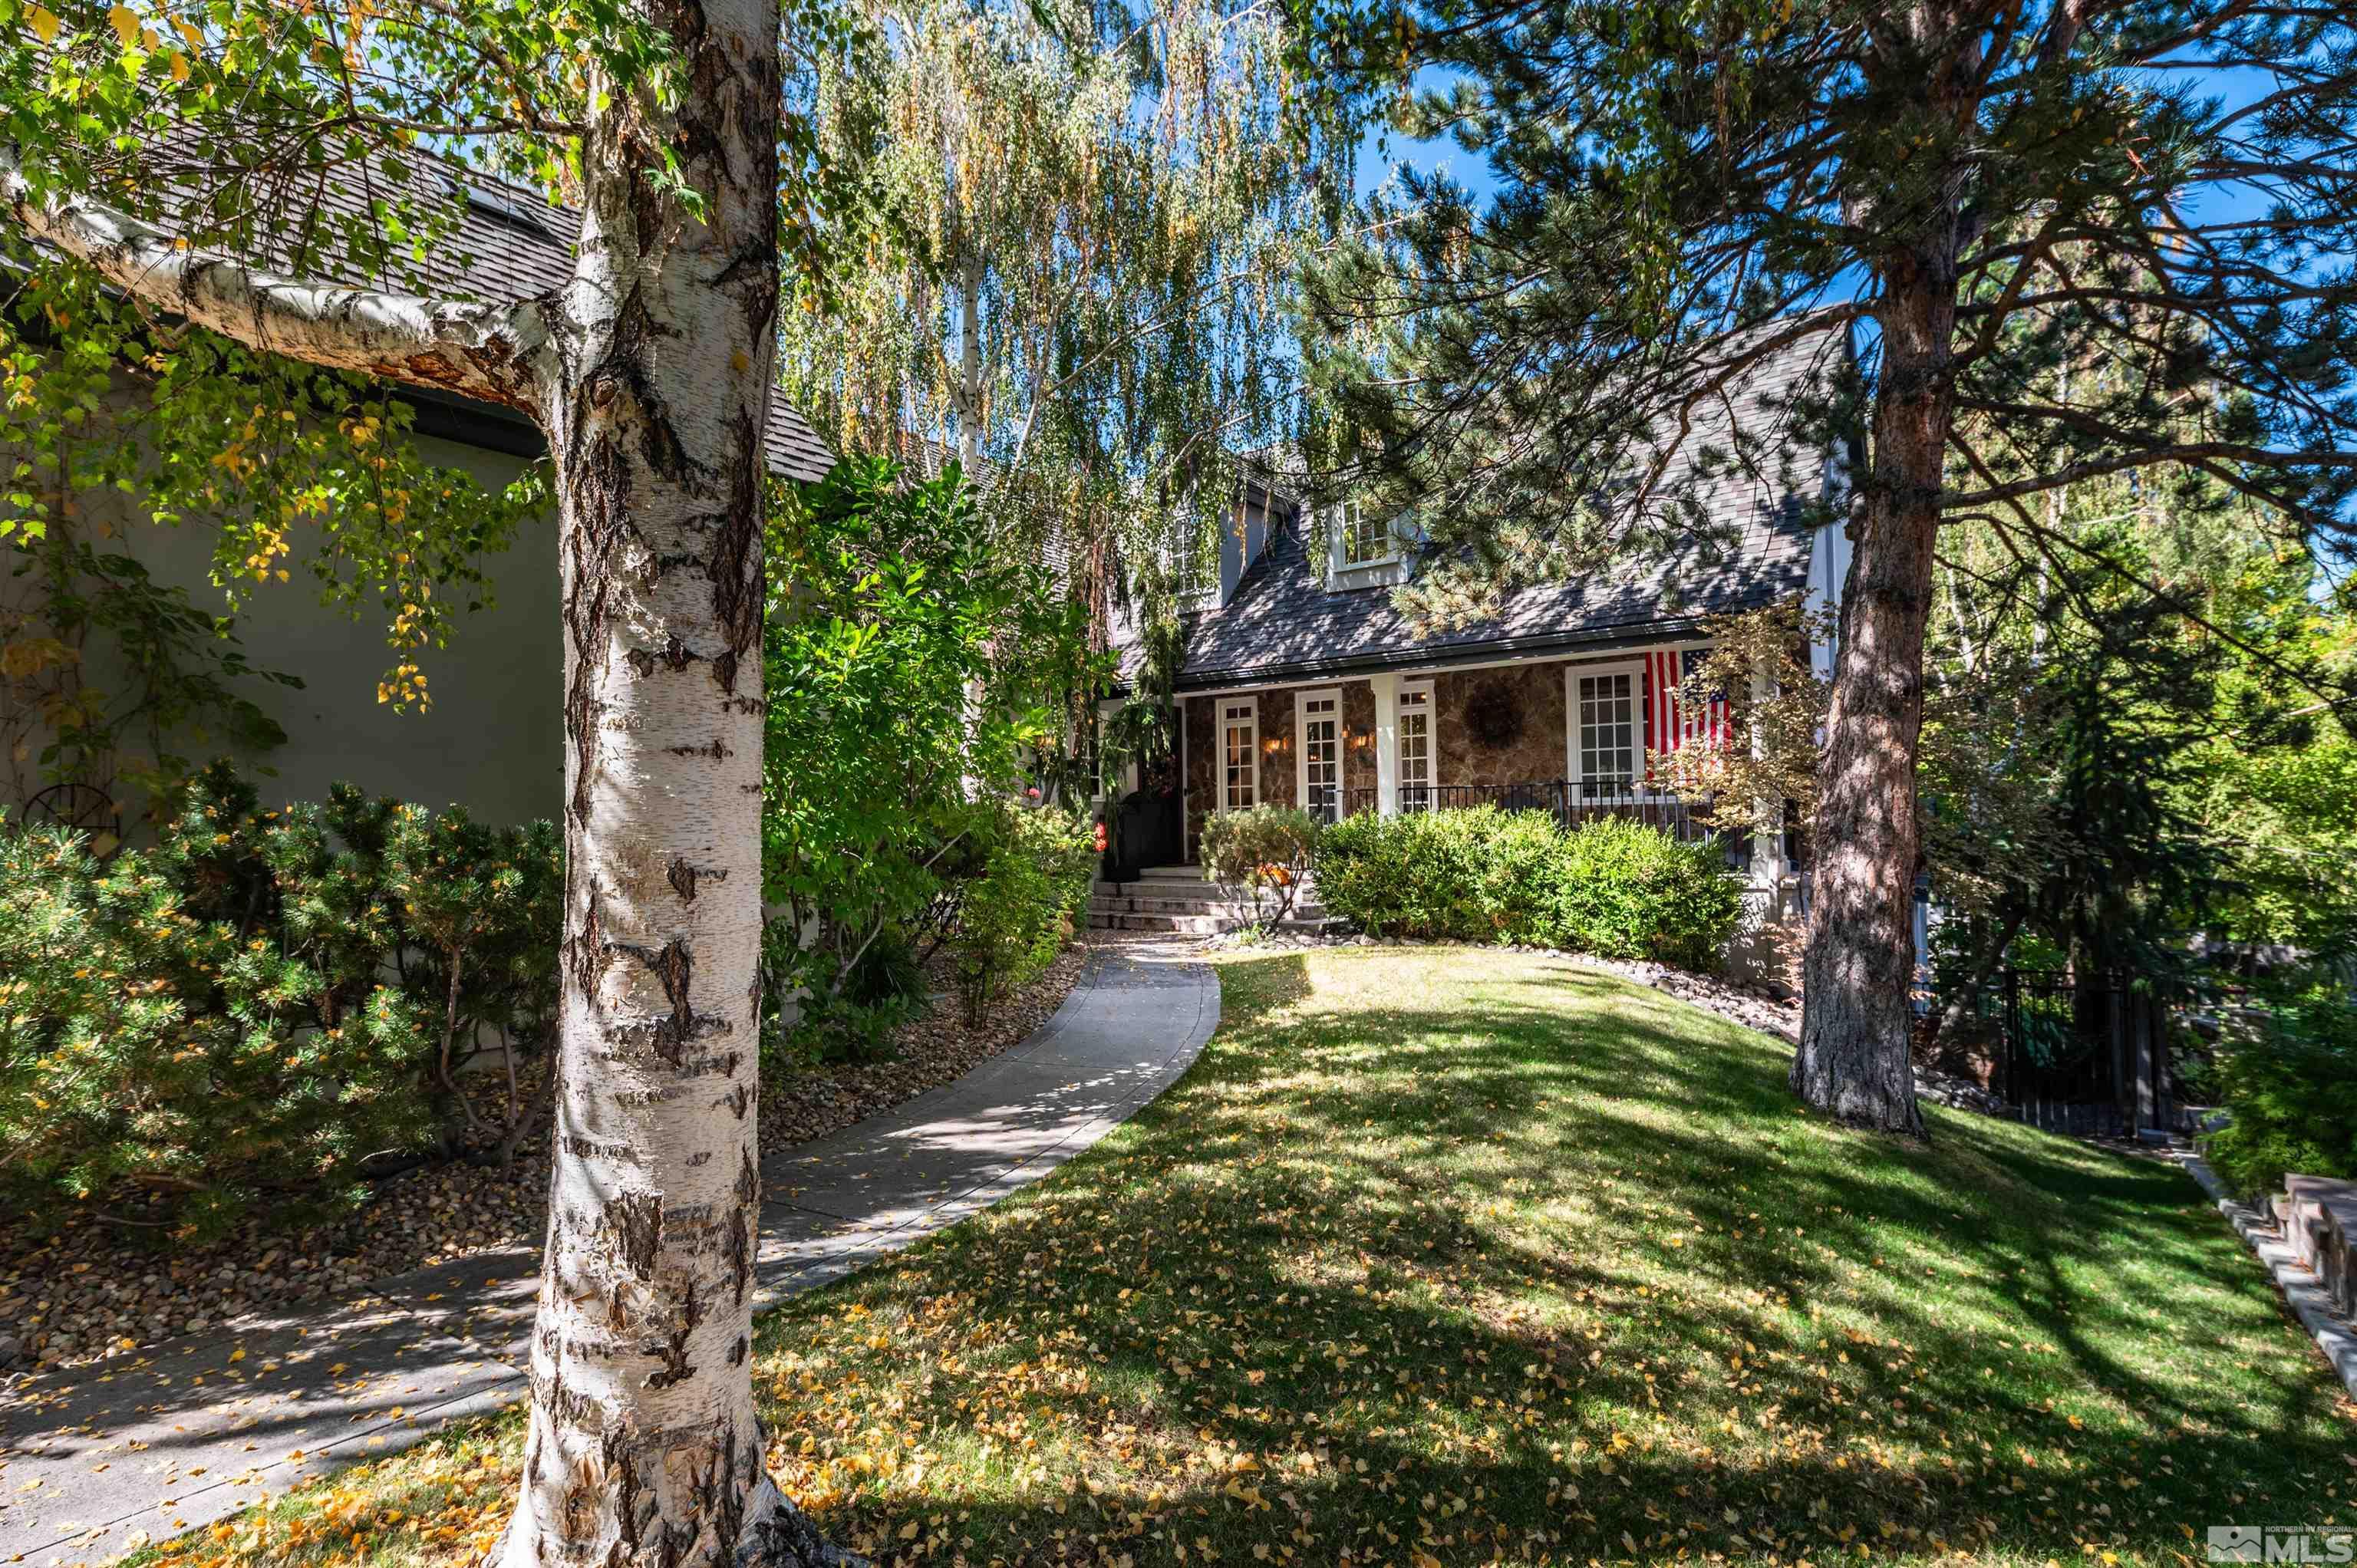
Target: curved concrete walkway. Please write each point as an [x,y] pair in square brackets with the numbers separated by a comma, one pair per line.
[96,1461]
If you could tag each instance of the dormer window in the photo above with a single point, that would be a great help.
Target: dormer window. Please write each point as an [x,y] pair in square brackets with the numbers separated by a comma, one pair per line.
[1366,538]
[1360,539]
[496,204]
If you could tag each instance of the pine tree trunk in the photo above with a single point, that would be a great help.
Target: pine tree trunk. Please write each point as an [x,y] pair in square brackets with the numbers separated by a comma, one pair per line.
[1858,969]
[645,1447]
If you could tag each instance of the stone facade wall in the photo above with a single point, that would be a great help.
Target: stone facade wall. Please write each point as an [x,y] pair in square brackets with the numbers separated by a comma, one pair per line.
[1536,691]
[1358,737]
[1202,757]
[1280,770]
[1277,783]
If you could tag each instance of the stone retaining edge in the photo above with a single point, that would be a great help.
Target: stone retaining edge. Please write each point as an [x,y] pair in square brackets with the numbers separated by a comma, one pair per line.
[2333,1336]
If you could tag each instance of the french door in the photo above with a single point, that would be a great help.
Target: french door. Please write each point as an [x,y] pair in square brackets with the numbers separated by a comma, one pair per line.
[1318,723]
[1416,779]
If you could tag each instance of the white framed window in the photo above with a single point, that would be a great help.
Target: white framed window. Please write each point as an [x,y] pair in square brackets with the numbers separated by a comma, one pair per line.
[1239,755]
[1318,750]
[1606,737]
[1418,781]
[1360,539]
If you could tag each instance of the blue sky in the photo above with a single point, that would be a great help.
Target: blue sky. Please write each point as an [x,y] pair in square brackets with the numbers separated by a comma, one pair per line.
[1381,150]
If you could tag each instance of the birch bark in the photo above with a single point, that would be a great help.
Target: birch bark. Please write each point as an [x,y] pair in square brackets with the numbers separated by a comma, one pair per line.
[651,373]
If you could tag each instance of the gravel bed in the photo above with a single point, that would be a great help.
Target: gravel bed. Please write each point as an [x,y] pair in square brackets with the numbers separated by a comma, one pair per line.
[95,1290]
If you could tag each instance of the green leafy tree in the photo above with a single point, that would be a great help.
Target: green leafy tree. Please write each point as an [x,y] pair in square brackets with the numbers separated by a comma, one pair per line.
[925,662]
[1980,197]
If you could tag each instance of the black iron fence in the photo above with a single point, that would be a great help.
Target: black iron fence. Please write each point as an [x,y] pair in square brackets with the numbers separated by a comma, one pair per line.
[2082,1054]
[1569,801]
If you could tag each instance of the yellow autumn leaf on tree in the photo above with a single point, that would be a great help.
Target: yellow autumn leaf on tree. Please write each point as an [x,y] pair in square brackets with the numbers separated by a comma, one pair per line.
[45,23]
[125,23]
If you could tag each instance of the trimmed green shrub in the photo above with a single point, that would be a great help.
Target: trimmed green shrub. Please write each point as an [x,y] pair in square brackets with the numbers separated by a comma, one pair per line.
[1611,886]
[1477,876]
[246,1013]
[1268,849]
[1628,890]
[2291,1092]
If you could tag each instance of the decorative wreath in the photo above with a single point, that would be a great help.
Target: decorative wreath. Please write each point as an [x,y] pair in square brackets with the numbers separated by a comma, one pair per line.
[1493,716]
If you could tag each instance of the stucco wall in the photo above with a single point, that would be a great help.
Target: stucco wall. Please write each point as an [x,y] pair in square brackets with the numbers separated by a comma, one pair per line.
[491,741]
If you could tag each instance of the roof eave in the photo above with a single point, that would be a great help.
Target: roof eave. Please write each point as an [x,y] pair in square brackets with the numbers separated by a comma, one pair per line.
[1425,655]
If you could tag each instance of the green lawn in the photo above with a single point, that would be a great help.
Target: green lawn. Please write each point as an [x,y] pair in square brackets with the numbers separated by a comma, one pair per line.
[1482,1257]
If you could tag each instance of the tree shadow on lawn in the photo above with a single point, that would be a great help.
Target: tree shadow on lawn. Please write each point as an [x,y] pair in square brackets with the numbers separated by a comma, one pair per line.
[1481,1255]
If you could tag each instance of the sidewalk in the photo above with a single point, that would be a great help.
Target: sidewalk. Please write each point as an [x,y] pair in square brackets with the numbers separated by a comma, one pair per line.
[96,1460]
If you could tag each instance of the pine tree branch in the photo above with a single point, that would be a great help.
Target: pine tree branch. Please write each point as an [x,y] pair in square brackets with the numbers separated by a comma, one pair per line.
[2042,537]
[490,351]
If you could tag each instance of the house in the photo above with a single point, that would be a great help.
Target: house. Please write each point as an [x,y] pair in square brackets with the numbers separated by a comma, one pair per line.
[492,739]
[1300,683]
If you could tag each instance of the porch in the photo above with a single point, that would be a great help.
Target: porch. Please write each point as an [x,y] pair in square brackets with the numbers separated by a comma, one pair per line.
[1574,736]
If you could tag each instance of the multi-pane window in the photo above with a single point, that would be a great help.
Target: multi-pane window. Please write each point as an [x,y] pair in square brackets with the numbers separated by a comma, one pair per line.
[1361,538]
[1605,717]
[1415,748]
[1239,756]
[1319,721]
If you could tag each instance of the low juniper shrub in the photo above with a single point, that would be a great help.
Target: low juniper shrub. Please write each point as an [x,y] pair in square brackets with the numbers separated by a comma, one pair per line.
[246,1015]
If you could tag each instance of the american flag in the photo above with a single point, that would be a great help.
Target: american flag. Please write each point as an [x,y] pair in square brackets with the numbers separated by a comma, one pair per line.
[1669,724]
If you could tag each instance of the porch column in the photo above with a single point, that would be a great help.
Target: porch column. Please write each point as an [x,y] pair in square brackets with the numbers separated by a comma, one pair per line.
[1386,687]
[1766,863]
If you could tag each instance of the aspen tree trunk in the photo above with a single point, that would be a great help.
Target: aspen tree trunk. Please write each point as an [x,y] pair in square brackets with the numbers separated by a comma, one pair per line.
[1857,968]
[650,373]
[644,1446]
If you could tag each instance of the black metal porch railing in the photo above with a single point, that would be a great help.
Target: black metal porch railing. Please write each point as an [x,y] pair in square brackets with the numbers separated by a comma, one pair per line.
[1569,801]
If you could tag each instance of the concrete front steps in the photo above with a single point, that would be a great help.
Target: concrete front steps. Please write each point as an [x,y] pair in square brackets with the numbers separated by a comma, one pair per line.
[1176,898]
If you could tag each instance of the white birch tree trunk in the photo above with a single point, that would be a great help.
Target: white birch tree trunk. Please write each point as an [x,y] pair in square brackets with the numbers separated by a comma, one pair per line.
[644,1446]
[651,375]
[969,399]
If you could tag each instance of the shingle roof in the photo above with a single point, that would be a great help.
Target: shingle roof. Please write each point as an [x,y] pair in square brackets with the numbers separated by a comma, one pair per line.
[1283,621]
[512,244]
